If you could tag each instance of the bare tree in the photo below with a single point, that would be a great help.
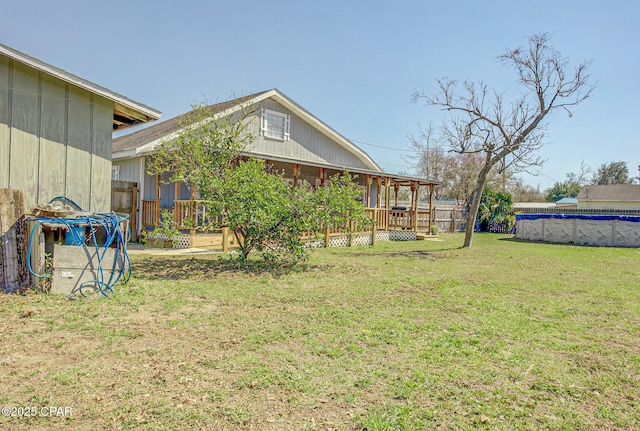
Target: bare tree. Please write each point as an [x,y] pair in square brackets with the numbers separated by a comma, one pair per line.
[429,157]
[509,133]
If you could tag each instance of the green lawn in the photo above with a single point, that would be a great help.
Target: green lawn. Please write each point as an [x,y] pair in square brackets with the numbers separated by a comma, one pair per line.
[402,336]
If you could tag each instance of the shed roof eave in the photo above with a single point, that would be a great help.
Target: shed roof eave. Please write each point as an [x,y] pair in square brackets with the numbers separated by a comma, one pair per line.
[139,111]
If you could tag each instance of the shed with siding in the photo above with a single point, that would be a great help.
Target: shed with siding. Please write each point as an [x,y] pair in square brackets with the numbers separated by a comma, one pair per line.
[56,132]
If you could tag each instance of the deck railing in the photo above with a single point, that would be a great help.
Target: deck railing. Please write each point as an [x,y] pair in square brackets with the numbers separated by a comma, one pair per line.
[189,214]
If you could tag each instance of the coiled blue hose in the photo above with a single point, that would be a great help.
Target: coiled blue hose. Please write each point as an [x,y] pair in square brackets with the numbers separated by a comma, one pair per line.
[110,222]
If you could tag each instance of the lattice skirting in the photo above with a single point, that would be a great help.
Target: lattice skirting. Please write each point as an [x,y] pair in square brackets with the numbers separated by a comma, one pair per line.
[365,239]
[402,235]
[183,241]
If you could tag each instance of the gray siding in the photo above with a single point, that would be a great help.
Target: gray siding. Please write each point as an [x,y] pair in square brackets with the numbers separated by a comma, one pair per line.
[55,139]
[305,144]
[129,169]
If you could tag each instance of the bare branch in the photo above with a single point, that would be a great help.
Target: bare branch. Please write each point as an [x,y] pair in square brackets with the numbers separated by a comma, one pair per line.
[481,121]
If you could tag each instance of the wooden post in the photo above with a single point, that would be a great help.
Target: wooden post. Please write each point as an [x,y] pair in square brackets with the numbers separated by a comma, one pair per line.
[157,214]
[134,212]
[396,187]
[378,194]
[225,239]
[430,205]
[387,192]
[414,188]
[367,193]
[326,237]
[387,201]
[374,228]
[453,220]
[322,172]
[177,217]
[194,214]
[296,170]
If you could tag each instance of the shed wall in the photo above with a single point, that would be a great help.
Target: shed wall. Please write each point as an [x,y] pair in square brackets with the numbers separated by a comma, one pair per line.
[55,138]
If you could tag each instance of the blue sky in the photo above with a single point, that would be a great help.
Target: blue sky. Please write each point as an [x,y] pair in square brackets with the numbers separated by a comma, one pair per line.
[353,64]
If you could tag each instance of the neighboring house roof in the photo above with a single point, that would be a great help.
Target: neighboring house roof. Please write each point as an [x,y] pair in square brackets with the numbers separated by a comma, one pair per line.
[147,139]
[618,193]
[528,205]
[567,201]
[126,112]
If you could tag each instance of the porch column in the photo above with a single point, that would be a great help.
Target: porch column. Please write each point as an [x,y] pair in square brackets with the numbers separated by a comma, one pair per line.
[177,218]
[387,192]
[157,212]
[194,215]
[396,187]
[414,203]
[378,196]
[296,171]
[322,172]
[431,205]
[367,192]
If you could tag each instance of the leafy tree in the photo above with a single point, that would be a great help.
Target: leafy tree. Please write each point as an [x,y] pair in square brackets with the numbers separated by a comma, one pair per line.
[562,190]
[496,208]
[339,205]
[263,212]
[509,133]
[206,146]
[266,215]
[612,173]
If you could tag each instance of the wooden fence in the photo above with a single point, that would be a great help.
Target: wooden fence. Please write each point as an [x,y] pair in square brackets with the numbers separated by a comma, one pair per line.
[124,199]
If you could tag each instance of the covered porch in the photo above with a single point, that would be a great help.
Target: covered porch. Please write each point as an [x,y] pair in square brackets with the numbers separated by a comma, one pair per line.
[380,196]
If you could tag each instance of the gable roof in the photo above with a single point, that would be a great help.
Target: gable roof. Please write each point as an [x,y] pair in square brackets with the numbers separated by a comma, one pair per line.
[140,140]
[620,192]
[126,112]
[146,140]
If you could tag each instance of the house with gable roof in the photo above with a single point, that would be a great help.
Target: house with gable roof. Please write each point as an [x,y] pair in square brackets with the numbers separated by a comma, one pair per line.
[292,140]
[619,197]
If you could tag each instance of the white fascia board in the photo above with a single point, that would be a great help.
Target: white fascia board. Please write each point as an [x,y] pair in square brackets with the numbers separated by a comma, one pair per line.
[63,75]
[127,154]
[151,146]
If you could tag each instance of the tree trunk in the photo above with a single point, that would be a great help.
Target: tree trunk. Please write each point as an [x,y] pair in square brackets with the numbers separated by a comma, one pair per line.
[475,205]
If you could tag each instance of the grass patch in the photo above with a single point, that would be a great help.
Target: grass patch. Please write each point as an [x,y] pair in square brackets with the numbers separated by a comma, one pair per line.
[403,336]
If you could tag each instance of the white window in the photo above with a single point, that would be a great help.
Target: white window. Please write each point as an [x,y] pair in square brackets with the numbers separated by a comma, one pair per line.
[275,125]
[115,172]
